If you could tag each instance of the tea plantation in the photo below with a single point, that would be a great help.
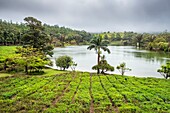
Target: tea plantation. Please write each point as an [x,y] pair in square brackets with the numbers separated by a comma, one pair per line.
[83,92]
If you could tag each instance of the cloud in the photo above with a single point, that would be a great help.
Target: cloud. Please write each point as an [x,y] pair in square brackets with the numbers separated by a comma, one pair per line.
[93,15]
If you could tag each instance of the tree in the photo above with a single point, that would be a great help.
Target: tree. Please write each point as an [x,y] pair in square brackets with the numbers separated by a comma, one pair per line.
[103,65]
[150,41]
[113,37]
[64,62]
[122,68]
[7,60]
[36,36]
[31,58]
[139,38]
[165,70]
[97,43]
[106,37]
[73,66]
[77,38]
[61,38]
[118,37]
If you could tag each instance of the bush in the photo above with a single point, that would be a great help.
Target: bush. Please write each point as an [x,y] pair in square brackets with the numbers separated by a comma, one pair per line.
[64,62]
[122,68]
[165,70]
[103,66]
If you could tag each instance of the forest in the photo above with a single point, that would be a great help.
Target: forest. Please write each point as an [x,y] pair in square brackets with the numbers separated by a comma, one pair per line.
[14,33]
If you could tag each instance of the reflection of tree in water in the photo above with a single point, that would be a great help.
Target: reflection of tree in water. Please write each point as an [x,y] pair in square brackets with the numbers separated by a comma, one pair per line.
[161,57]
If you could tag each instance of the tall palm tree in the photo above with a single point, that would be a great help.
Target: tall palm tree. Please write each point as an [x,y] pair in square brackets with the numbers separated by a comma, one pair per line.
[98,44]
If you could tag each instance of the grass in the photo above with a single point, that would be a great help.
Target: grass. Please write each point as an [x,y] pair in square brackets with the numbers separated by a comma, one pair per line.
[51,72]
[5,74]
[7,50]
[47,72]
[116,43]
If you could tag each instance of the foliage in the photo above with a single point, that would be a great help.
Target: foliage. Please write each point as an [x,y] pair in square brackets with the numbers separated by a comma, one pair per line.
[165,70]
[31,58]
[64,62]
[36,36]
[98,44]
[103,66]
[73,66]
[16,33]
[122,68]
[138,39]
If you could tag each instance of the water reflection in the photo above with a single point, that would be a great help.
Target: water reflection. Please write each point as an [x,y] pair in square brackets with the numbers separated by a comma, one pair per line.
[152,56]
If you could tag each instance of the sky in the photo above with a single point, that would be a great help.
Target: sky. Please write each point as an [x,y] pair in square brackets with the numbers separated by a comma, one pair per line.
[93,15]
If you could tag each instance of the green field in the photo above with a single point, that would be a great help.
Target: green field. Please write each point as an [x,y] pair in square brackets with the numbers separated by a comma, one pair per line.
[7,50]
[80,92]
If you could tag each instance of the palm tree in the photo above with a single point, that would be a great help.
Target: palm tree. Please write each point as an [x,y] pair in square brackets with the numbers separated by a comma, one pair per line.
[139,38]
[98,43]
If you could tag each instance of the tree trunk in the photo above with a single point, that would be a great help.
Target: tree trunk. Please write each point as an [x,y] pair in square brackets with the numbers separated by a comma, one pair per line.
[98,61]
[62,44]
[102,72]
[139,44]
[26,69]
[5,66]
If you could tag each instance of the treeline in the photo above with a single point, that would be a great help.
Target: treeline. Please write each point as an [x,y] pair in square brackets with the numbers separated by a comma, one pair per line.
[13,34]
[120,38]
[154,42]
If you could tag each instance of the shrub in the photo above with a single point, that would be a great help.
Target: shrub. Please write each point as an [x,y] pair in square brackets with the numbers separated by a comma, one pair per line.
[64,62]
[165,70]
[103,66]
[122,68]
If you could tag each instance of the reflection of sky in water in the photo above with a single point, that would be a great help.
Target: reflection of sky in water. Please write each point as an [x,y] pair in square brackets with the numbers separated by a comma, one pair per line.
[143,63]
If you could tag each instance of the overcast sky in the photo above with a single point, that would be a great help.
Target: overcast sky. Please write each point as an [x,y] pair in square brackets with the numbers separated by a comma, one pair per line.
[93,15]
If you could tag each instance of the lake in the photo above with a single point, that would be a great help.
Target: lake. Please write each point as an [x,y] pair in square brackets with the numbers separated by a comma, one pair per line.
[142,62]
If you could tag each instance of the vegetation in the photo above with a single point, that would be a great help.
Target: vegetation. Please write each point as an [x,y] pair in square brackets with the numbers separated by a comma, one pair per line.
[165,70]
[73,65]
[15,34]
[64,62]
[36,37]
[31,58]
[98,44]
[122,68]
[7,50]
[33,55]
[103,66]
[70,92]
[154,42]
[18,34]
